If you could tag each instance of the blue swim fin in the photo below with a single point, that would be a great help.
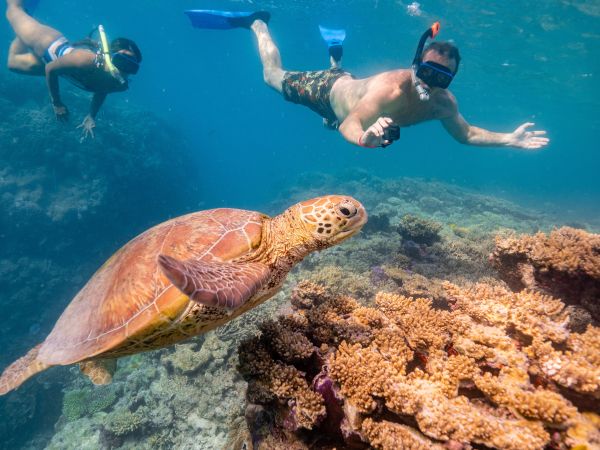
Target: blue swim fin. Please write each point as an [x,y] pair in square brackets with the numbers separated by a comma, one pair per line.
[225,20]
[335,40]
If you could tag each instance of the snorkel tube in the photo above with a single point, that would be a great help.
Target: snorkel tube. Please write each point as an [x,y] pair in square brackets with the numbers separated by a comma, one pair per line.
[431,32]
[106,55]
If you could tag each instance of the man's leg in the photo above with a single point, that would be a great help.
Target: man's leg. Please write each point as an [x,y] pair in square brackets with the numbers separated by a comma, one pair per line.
[32,34]
[21,60]
[269,55]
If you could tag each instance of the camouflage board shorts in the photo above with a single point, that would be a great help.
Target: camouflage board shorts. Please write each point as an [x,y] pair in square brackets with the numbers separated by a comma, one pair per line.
[312,89]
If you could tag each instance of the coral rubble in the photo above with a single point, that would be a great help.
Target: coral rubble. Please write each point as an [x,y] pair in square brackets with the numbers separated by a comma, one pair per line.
[564,263]
[499,370]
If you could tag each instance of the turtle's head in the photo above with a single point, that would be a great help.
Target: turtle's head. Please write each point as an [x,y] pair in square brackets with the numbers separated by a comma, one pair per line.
[332,218]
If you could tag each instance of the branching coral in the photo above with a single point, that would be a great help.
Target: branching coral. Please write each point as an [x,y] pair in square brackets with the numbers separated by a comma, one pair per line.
[402,374]
[272,380]
[565,263]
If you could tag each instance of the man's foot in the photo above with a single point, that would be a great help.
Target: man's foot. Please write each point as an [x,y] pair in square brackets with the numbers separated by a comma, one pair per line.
[247,21]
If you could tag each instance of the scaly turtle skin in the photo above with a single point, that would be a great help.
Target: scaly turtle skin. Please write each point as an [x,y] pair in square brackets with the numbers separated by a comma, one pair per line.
[183,278]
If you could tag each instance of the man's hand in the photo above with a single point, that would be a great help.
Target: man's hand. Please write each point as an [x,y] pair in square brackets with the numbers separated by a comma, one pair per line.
[381,134]
[87,127]
[530,140]
[61,111]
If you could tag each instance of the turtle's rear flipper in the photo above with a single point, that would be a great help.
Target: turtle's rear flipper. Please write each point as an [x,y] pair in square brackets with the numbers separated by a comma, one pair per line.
[22,369]
[224,285]
[100,372]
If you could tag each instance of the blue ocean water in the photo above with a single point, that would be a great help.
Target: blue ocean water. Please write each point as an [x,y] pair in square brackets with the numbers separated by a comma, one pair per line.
[201,92]
[530,61]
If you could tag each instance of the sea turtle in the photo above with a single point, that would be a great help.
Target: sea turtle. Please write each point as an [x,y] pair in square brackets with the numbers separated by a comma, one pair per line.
[182,278]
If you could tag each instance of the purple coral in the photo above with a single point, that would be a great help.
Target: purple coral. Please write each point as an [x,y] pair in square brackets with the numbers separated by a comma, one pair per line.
[325,386]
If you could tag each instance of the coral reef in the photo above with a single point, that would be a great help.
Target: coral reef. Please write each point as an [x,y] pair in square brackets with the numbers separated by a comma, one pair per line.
[500,370]
[80,402]
[564,263]
[419,230]
[123,422]
[191,396]
[344,282]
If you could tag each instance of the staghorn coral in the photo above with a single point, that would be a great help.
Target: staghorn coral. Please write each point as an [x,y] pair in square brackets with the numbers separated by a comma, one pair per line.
[401,374]
[565,263]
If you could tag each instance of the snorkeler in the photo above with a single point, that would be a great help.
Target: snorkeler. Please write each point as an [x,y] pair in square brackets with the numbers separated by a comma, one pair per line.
[95,67]
[370,112]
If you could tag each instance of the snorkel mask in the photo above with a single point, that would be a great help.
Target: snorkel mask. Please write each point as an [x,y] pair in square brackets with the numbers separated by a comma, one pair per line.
[125,63]
[432,73]
[118,64]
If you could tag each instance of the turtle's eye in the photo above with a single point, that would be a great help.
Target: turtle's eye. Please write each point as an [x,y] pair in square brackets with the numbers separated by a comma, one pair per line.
[347,210]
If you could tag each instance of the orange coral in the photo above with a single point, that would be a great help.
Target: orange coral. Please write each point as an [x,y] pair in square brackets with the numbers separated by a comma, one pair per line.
[387,435]
[431,393]
[577,367]
[285,382]
[405,375]
[566,263]
[541,320]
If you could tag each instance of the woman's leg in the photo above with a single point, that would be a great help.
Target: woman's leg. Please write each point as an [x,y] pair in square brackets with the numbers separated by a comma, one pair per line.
[32,34]
[269,55]
[21,60]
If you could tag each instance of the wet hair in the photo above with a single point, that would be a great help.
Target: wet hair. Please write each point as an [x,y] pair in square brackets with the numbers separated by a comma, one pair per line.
[445,49]
[126,44]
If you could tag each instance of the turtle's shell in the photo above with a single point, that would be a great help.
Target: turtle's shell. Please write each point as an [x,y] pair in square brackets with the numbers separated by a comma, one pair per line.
[129,293]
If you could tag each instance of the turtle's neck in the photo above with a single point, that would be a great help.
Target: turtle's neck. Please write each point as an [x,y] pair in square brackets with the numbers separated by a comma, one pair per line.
[284,242]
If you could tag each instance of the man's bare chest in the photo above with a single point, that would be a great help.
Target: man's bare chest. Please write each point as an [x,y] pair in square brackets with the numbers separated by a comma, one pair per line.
[410,113]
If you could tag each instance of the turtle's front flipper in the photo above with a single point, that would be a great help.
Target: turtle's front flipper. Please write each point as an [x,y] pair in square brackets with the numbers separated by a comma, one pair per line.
[225,285]
[100,372]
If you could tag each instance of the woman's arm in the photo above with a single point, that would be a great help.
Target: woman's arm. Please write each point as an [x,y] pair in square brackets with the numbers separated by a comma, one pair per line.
[70,64]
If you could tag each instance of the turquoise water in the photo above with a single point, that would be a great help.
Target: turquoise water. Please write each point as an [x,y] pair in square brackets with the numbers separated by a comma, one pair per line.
[199,129]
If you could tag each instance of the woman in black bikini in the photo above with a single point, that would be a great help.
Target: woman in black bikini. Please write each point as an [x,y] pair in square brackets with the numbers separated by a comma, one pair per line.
[43,51]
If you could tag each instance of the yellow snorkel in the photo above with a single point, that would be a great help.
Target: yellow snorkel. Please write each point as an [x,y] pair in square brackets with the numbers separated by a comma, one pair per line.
[106,54]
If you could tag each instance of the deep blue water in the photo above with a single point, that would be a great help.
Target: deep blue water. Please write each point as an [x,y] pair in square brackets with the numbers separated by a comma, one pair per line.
[522,61]
[526,61]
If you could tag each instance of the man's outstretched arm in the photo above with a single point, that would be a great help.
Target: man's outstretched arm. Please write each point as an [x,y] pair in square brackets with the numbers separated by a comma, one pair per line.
[465,133]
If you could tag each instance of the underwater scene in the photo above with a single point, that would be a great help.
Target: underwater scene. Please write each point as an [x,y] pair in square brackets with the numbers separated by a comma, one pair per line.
[300,224]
